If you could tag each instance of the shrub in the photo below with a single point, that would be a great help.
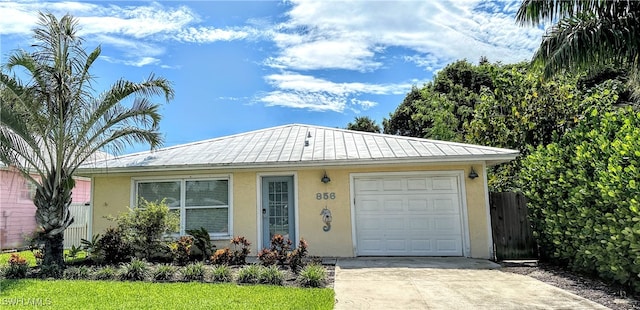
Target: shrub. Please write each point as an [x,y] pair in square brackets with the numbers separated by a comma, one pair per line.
[106,273]
[312,276]
[249,274]
[73,252]
[17,267]
[164,273]
[202,243]
[136,270]
[112,247]
[267,257]
[50,271]
[240,250]
[271,275]
[221,257]
[145,226]
[280,252]
[296,257]
[181,250]
[194,272]
[584,198]
[221,273]
[281,246]
[90,246]
[76,273]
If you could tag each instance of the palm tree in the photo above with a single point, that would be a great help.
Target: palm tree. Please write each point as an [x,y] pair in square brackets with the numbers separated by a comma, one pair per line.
[51,121]
[588,34]
[364,123]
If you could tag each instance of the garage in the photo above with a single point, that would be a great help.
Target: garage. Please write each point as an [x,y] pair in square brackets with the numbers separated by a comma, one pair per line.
[411,214]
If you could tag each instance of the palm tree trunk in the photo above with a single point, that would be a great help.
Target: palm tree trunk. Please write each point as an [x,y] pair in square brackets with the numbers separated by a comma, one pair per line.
[52,202]
[54,250]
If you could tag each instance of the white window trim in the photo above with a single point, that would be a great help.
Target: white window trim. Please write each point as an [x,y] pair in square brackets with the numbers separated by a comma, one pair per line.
[183,179]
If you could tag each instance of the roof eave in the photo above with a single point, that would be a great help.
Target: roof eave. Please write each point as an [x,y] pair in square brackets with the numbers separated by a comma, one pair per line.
[490,160]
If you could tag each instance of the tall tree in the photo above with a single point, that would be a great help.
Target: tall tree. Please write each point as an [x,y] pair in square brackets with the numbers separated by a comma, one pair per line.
[364,123]
[51,121]
[588,34]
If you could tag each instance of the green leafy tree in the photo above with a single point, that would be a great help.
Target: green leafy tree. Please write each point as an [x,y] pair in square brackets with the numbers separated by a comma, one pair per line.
[364,123]
[587,34]
[53,122]
[441,108]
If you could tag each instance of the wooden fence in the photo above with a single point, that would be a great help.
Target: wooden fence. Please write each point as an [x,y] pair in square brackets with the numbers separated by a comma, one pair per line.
[80,227]
[512,233]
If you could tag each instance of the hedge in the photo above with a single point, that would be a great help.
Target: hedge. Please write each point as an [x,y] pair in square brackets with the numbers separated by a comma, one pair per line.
[584,196]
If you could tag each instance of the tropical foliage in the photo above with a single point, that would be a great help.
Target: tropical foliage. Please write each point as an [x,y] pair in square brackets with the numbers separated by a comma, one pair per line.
[584,196]
[586,34]
[51,121]
[509,106]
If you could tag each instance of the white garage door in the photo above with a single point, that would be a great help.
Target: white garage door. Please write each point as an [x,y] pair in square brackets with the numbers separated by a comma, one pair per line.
[408,215]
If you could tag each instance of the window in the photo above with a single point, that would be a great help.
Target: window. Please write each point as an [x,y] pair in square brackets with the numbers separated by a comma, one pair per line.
[199,202]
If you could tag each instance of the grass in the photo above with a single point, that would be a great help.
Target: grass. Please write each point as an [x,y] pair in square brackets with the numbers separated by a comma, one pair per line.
[65,294]
[31,260]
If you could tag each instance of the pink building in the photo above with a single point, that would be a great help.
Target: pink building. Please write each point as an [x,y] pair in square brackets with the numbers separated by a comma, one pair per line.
[17,212]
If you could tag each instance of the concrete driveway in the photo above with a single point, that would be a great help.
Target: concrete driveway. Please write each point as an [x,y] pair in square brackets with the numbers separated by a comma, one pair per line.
[443,283]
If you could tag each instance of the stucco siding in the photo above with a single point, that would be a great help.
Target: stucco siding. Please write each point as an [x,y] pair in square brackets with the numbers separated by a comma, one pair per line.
[112,193]
[111,196]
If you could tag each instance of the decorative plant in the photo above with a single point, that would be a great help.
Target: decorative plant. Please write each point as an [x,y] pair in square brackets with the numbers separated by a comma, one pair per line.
[249,274]
[17,267]
[73,252]
[112,248]
[267,257]
[280,252]
[194,272]
[181,250]
[222,257]
[281,246]
[295,258]
[240,250]
[90,246]
[271,275]
[202,242]
[144,227]
[106,273]
[313,276]
[164,273]
[76,273]
[136,270]
[221,273]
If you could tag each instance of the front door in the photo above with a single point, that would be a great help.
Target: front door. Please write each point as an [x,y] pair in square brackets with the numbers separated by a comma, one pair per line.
[277,209]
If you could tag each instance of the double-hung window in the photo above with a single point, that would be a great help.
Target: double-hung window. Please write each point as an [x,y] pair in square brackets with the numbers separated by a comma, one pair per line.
[199,202]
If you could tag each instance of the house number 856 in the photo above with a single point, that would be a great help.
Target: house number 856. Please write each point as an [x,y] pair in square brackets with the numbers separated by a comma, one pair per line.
[325,196]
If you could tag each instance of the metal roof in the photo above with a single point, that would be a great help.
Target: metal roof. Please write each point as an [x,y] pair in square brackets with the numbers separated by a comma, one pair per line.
[300,145]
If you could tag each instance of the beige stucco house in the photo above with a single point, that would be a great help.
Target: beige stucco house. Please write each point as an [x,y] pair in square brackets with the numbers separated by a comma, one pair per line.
[348,193]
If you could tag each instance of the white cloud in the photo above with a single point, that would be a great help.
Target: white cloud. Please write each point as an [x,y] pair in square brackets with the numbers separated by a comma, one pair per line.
[137,30]
[354,35]
[137,62]
[307,92]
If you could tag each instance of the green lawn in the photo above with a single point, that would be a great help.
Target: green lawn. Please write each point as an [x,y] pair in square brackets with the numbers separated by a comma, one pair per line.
[64,294]
[28,255]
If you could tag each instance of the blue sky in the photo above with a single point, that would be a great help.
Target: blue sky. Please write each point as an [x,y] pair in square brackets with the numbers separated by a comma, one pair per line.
[238,66]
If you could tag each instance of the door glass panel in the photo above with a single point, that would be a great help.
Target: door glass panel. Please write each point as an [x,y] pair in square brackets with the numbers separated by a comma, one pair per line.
[278,209]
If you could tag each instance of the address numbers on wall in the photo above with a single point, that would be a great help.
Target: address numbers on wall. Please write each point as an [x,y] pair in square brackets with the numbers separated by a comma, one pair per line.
[325,196]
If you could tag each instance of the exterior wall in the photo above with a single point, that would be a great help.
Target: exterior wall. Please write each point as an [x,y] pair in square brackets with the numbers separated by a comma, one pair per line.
[112,193]
[17,212]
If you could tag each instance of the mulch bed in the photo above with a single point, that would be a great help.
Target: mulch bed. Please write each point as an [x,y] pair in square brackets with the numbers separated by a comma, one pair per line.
[610,295]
